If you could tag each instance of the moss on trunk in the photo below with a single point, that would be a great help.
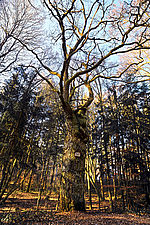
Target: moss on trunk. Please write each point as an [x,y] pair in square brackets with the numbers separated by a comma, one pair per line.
[73,167]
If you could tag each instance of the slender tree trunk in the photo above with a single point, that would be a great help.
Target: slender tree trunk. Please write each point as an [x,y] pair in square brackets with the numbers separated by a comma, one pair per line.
[102,187]
[41,183]
[52,179]
[7,179]
[73,167]
[30,179]
[89,192]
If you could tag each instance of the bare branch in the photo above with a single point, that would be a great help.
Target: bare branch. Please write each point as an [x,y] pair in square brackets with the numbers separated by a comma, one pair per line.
[37,57]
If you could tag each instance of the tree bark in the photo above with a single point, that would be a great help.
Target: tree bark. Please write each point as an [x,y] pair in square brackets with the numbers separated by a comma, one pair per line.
[73,166]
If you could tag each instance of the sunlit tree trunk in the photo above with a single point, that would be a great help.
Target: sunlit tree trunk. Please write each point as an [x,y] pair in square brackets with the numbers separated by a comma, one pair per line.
[73,167]
[30,179]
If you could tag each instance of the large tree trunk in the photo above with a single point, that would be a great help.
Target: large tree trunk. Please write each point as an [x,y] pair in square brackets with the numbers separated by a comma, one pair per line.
[73,167]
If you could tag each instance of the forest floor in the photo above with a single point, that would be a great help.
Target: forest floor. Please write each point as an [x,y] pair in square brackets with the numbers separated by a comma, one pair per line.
[20,209]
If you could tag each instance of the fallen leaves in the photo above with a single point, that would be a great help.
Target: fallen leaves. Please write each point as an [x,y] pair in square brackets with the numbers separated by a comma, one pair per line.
[21,210]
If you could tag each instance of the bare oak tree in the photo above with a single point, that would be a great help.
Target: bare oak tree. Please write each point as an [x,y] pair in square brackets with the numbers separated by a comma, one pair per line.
[87,35]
